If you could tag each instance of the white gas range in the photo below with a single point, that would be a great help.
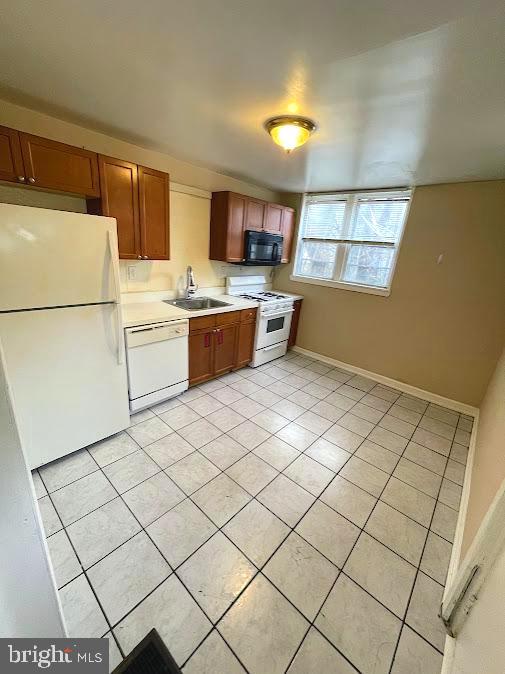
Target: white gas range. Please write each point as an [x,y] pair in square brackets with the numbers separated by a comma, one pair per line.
[275,311]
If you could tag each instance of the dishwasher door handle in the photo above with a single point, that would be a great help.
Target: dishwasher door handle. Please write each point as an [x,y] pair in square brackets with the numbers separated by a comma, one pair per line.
[158,332]
[157,326]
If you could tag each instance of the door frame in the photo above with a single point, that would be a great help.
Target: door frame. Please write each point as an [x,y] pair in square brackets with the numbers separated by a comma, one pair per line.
[30,594]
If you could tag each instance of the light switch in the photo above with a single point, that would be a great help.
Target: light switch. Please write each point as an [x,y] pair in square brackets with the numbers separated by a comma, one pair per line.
[132,272]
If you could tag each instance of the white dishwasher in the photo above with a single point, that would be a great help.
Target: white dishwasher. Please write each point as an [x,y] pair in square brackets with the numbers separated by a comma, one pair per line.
[157,357]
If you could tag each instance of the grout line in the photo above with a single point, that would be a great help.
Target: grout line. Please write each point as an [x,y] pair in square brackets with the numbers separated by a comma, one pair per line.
[415,582]
[89,583]
[253,497]
[348,556]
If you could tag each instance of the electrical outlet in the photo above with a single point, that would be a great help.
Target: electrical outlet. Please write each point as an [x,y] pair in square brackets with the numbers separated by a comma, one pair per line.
[132,272]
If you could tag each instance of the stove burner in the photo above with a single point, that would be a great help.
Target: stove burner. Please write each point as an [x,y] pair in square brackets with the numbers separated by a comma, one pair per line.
[254,298]
[263,296]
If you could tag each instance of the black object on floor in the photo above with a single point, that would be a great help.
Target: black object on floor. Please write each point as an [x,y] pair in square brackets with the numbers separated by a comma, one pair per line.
[150,656]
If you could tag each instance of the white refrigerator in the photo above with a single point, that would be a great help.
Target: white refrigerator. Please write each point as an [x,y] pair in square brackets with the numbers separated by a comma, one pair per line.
[61,330]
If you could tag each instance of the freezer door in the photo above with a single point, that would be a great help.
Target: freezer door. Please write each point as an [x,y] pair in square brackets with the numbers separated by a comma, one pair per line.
[54,258]
[68,377]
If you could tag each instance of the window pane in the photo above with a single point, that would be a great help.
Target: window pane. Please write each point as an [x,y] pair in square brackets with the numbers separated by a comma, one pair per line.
[368,265]
[378,220]
[324,220]
[316,259]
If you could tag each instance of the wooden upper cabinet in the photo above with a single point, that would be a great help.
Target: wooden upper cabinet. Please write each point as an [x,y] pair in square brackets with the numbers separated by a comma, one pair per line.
[120,200]
[154,195]
[255,214]
[232,214]
[11,159]
[235,233]
[288,232]
[60,167]
[273,219]
[138,198]
[227,219]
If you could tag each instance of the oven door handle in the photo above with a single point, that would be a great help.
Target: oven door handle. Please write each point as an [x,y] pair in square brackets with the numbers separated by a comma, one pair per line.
[279,313]
[270,348]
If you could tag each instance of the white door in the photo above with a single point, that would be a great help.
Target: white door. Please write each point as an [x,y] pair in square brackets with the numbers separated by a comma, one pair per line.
[54,259]
[29,605]
[68,377]
[480,646]
[473,604]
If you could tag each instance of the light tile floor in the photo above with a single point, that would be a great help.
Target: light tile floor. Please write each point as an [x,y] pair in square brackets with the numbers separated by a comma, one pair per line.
[292,518]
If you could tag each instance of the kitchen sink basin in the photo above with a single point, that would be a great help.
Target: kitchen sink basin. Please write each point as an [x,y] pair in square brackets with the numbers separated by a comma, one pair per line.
[198,303]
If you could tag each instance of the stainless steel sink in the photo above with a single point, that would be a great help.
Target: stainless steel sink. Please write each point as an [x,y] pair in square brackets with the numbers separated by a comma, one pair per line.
[198,303]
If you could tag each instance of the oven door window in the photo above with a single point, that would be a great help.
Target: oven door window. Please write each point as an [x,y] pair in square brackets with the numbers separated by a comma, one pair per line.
[274,324]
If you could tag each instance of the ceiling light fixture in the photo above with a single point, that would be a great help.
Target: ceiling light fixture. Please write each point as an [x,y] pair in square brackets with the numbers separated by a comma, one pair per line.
[290,131]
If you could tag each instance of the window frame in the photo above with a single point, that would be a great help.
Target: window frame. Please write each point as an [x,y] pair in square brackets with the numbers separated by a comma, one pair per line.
[352,198]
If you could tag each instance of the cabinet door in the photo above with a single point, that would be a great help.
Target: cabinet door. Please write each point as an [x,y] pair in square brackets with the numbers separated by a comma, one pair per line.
[294,323]
[245,344]
[227,217]
[237,206]
[154,214]
[288,231]
[11,160]
[201,357]
[119,188]
[273,219]
[255,214]
[224,349]
[59,167]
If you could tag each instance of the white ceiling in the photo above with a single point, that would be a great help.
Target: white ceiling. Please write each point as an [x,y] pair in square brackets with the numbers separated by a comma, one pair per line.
[405,92]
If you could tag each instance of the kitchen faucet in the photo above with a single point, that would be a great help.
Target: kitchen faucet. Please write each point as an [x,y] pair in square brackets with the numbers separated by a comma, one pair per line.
[191,286]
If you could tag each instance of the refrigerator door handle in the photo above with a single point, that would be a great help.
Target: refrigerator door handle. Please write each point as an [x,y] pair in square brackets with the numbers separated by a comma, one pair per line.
[117,308]
[114,266]
[119,334]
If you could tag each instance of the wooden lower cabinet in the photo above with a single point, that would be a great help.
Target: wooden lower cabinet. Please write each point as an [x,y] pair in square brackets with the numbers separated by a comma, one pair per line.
[225,341]
[201,357]
[245,344]
[220,343]
[294,323]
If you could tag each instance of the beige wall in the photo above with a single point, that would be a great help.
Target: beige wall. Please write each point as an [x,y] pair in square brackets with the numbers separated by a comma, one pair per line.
[40,124]
[189,244]
[443,325]
[189,241]
[489,460]
[189,209]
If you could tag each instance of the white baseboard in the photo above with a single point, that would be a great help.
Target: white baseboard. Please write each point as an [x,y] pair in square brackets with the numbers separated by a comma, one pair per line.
[394,383]
[455,561]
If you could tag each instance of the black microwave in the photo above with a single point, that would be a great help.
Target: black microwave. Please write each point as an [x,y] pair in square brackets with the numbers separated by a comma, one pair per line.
[262,248]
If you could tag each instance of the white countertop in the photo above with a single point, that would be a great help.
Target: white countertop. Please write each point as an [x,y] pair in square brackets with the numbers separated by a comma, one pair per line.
[143,313]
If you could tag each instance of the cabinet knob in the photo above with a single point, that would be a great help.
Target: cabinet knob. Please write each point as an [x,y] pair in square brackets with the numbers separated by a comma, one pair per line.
[31,180]
[139,257]
[21,179]
[146,257]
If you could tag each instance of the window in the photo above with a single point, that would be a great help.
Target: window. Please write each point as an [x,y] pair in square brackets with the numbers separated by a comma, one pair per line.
[351,240]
